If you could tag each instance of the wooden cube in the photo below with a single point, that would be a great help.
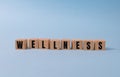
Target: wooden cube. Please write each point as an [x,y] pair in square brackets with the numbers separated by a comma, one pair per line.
[33,43]
[21,44]
[55,44]
[77,44]
[99,45]
[88,45]
[65,44]
[44,43]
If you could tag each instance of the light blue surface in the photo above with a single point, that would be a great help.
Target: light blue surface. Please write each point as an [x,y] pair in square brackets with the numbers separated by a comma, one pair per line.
[83,19]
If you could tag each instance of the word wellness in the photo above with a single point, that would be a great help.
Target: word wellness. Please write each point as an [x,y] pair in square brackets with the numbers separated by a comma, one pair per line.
[56,44]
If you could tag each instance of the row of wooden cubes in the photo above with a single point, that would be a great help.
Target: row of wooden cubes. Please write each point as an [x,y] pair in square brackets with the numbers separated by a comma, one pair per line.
[56,44]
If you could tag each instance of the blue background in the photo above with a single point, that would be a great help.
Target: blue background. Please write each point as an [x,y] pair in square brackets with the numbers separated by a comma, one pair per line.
[73,19]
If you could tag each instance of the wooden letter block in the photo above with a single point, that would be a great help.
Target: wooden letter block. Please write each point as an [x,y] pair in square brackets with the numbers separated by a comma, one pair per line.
[99,45]
[33,43]
[65,44]
[55,44]
[76,44]
[44,43]
[88,45]
[21,44]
